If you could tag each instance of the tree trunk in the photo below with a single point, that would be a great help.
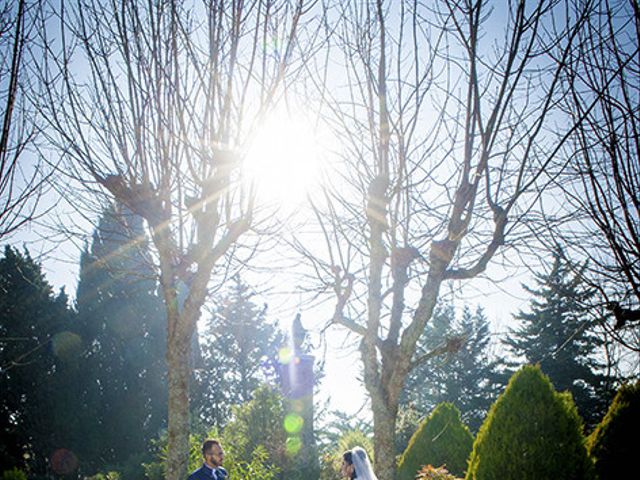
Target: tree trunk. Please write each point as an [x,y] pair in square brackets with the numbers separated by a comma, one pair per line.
[178,383]
[384,429]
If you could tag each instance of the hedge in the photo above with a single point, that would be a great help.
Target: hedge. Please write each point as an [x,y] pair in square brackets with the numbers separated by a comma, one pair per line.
[531,433]
[441,439]
[614,442]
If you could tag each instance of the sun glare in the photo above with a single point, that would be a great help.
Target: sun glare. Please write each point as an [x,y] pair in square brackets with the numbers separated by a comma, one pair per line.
[282,161]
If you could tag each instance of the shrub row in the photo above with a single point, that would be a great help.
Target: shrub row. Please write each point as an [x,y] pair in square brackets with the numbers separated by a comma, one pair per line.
[531,432]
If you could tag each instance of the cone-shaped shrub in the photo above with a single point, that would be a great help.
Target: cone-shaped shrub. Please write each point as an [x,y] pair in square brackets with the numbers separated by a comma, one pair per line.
[441,439]
[531,433]
[614,443]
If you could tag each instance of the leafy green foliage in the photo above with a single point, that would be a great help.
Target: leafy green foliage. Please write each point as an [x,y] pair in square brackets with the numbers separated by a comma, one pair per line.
[558,334]
[154,470]
[259,441]
[441,439]
[14,474]
[112,475]
[613,444]
[257,467]
[259,423]
[531,432]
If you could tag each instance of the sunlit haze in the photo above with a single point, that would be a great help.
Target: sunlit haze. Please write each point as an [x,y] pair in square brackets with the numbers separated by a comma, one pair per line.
[282,159]
[318,231]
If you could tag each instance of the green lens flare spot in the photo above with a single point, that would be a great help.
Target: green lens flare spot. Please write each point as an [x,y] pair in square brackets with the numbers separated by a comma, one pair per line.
[66,345]
[293,423]
[297,406]
[293,446]
[285,355]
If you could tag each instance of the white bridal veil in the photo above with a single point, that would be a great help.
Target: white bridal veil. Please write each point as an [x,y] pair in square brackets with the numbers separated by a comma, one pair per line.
[362,464]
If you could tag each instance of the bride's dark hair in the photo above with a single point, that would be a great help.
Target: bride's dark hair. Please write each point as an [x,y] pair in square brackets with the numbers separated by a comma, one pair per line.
[348,457]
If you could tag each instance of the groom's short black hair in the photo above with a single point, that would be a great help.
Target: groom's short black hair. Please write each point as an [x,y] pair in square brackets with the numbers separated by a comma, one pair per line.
[208,443]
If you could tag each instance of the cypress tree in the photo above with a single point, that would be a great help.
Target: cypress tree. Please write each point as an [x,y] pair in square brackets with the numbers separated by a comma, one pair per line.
[441,439]
[123,320]
[37,349]
[614,443]
[531,432]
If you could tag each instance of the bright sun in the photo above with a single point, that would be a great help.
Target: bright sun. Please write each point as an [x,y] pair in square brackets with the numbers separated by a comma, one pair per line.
[282,160]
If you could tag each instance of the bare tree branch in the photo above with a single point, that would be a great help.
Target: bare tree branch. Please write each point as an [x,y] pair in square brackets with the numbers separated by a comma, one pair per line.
[443,126]
[156,103]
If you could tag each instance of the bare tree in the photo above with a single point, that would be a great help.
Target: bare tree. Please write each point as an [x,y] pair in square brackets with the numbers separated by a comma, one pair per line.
[444,120]
[602,185]
[152,103]
[19,183]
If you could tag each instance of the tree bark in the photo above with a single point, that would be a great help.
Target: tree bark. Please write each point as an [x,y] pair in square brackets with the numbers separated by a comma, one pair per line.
[384,432]
[178,350]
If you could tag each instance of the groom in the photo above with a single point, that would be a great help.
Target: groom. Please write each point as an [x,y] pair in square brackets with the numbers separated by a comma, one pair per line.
[212,467]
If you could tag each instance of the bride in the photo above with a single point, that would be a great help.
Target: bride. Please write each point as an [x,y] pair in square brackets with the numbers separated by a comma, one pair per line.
[355,464]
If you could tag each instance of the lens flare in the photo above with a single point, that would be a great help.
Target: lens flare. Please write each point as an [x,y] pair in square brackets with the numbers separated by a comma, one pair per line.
[63,461]
[293,423]
[285,355]
[296,405]
[293,446]
[66,345]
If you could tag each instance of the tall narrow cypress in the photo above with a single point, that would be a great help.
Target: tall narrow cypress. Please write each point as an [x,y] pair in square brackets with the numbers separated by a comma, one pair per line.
[122,319]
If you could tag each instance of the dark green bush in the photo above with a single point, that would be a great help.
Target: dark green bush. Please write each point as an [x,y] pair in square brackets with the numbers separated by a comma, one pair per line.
[531,433]
[613,444]
[441,439]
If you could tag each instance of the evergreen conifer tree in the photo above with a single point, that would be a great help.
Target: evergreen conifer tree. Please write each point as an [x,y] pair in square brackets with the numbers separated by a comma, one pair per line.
[37,354]
[531,432]
[614,442]
[558,334]
[472,384]
[236,343]
[465,377]
[426,385]
[123,320]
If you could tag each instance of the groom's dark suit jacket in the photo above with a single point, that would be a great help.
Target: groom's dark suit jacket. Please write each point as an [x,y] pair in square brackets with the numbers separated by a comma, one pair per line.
[205,473]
